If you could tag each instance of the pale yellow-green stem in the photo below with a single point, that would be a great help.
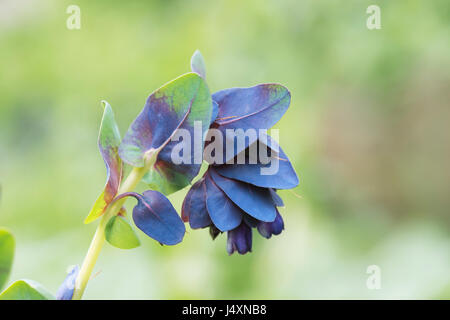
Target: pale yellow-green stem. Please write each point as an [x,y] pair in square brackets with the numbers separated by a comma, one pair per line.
[97,242]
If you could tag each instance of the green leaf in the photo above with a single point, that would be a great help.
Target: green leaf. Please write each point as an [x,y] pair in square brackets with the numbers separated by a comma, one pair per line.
[26,290]
[108,144]
[167,180]
[120,234]
[7,245]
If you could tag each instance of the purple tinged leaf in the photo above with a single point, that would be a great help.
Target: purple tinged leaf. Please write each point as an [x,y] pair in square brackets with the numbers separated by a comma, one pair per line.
[167,176]
[165,111]
[240,240]
[254,201]
[215,111]
[182,106]
[258,107]
[156,217]
[198,64]
[108,143]
[267,229]
[65,291]
[223,212]
[283,177]
[194,206]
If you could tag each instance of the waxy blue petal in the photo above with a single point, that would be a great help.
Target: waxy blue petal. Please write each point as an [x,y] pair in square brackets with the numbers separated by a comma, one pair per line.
[276,198]
[283,177]
[258,107]
[194,206]
[223,212]
[255,201]
[156,217]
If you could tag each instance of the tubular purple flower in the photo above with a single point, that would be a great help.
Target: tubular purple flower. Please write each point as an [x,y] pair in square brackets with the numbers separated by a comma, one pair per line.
[267,229]
[240,239]
[238,193]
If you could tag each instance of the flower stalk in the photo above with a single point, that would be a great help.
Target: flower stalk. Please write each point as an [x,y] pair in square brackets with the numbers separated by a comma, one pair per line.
[97,242]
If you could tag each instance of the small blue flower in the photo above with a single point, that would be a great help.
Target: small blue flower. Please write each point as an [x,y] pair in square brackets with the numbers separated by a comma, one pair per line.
[65,291]
[240,239]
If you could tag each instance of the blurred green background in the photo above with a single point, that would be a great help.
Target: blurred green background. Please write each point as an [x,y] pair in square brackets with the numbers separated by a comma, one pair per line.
[367,131]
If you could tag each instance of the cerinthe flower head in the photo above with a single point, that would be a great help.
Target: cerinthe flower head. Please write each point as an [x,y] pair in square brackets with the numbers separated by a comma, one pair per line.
[235,196]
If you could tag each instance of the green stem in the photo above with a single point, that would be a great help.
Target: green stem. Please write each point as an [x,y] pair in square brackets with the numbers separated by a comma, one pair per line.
[99,238]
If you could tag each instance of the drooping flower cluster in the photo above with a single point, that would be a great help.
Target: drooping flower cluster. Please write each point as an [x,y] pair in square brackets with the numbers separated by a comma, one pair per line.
[232,206]
[237,196]
[238,191]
